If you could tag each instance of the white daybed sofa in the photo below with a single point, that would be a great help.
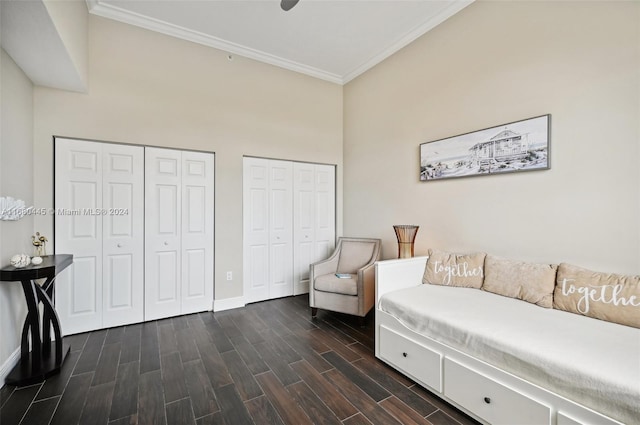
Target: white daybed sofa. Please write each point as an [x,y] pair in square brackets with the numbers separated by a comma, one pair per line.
[503,360]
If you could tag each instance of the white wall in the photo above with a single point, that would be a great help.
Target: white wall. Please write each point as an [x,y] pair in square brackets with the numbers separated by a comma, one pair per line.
[16,180]
[148,88]
[493,63]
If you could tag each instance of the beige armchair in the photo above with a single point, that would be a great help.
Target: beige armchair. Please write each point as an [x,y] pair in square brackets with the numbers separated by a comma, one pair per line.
[354,295]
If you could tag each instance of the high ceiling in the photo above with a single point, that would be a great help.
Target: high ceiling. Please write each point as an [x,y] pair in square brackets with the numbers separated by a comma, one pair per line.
[335,40]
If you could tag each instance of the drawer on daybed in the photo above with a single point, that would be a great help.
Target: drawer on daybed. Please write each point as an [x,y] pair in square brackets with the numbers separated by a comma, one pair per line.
[411,357]
[492,401]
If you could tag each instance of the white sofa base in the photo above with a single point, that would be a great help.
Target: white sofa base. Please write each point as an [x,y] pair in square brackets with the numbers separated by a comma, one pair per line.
[479,389]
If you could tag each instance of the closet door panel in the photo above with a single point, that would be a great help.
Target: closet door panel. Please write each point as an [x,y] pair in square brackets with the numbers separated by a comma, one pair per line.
[304,234]
[280,229]
[314,222]
[197,231]
[162,233]
[167,278]
[303,224]
[280,279]
[325,215]
[195,199]
[78,188]
[119,290]
[84,201]
[119,198]
[83,302]
[256,229]
[304,257]
[195,284]
[123,234]
[256,273]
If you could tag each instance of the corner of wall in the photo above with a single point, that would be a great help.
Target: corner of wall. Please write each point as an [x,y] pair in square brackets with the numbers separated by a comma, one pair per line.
[16,180]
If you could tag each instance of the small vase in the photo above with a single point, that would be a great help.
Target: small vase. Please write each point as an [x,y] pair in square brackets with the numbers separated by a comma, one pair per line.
[406,235]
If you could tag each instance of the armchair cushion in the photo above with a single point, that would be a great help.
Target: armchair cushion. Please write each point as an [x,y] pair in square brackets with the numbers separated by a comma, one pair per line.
[334,284]
[354,255]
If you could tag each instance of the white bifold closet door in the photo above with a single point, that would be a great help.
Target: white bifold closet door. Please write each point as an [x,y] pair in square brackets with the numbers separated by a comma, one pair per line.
[314,219]
[178,232]
[99,219]
[139,223]
[289,222]
[268,234]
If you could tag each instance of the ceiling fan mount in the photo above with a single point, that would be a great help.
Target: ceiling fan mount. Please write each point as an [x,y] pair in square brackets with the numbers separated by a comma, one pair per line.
[287,5]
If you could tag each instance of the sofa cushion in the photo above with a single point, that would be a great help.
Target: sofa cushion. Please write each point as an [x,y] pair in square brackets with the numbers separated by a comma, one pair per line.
[355,255]
[605,296]
[446,268]
[529,282]
[337,285]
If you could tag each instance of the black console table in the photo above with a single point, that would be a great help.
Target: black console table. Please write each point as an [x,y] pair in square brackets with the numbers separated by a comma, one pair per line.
[39,364]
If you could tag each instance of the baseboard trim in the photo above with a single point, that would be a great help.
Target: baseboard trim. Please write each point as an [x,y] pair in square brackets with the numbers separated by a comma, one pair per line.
[228,304]
[8,365]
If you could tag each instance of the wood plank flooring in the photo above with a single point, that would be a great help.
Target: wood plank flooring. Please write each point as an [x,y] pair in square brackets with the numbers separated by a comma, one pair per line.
[267,363]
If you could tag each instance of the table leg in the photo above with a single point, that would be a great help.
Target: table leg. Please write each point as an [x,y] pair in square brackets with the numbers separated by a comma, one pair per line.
[50,318]
[24,344]
[46,316]
[33,317]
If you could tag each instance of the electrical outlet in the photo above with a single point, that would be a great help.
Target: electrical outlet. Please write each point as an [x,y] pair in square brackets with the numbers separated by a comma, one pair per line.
[229,275]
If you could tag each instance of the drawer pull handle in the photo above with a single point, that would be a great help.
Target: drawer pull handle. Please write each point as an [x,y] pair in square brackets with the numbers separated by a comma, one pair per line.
[404,354]
[487,400]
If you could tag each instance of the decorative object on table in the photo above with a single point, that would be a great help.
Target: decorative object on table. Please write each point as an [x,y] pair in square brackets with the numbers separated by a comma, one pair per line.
[406,235]
[12,209]
[20,260]
[40,242]
[36,261]
[516,146]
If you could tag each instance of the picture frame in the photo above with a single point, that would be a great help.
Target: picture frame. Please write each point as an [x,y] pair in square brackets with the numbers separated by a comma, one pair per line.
[517,146]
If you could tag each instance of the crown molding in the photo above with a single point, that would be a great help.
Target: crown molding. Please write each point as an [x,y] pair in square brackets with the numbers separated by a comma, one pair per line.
[106,10]
[409,37]
[118,14]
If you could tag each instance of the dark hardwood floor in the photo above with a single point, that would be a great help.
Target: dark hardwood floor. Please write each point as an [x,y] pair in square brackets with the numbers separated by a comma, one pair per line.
[268,363]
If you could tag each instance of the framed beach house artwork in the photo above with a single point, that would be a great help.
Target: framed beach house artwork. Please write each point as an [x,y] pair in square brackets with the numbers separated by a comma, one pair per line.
[516,146]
